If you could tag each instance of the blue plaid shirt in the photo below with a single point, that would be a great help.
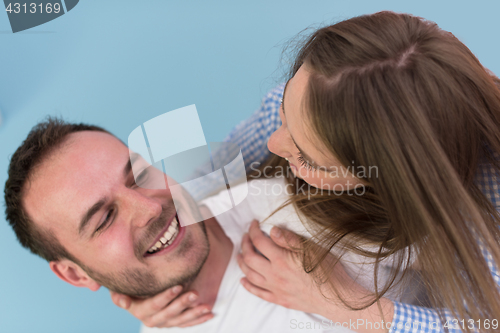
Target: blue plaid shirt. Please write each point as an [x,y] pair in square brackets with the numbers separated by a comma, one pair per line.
[252,135]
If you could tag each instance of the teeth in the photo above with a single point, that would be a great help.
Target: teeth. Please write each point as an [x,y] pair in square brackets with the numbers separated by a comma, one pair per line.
[170,232]
[168,237]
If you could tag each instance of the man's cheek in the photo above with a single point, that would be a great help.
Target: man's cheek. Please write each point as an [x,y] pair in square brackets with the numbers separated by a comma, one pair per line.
[116,247]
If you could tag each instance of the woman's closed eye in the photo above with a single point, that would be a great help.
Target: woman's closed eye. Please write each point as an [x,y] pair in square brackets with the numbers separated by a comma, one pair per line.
[304,163]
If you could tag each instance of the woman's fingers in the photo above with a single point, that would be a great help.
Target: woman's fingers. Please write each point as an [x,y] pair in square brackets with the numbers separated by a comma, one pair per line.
[198,320]
[261,242]
[251,274]
[286,239]
[120,300]
[181,312]
[144,309]
[257,291]
[166,309]
[175,308]
[253,259]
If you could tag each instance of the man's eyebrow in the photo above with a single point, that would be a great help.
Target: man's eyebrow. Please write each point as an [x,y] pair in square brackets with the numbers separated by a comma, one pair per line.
[90,213]
[98,205]
[130,162]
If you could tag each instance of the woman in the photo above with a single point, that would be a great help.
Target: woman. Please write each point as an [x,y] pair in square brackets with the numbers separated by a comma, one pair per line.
[397,93]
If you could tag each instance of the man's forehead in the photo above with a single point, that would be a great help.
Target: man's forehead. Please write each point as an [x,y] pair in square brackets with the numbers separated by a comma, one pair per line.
[75,176]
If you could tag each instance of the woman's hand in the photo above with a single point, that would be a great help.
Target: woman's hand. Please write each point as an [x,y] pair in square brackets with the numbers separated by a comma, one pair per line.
[280,278]
[166,309]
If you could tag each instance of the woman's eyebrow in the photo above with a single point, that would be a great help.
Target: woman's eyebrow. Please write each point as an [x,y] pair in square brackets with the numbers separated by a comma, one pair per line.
[310,160]
[307,157]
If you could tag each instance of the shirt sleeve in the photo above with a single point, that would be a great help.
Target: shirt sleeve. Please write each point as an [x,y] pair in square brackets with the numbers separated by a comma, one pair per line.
[250,136]
[410,318]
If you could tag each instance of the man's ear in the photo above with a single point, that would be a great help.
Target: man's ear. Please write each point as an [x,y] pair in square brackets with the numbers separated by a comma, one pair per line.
[72,273]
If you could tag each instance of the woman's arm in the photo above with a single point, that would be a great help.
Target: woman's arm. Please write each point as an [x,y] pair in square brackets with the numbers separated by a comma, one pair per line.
[407,317]
[251,136]
[279,278]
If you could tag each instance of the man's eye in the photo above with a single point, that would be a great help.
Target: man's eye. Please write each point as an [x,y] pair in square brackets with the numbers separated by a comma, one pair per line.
[106,221]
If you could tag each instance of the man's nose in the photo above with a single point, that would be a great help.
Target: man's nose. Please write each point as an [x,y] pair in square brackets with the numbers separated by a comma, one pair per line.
[141,208]
[278,143]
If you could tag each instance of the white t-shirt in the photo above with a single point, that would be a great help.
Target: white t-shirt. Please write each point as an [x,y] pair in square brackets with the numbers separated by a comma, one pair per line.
[267,195]
[237,310]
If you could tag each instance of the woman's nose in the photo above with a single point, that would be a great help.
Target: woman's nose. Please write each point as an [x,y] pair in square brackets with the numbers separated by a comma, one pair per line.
[278,143]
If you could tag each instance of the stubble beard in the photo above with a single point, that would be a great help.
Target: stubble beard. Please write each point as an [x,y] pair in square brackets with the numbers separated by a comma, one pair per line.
[141,283]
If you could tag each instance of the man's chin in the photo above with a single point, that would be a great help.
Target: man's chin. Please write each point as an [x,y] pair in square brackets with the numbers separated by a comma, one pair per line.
[140,283]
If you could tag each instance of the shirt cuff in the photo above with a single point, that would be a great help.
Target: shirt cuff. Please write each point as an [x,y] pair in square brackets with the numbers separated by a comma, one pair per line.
[410,318]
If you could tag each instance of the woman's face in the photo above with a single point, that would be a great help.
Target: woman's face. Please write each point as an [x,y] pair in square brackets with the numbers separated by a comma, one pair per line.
[295,140]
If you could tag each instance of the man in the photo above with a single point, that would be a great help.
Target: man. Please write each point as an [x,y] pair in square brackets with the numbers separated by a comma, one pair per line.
[71,198]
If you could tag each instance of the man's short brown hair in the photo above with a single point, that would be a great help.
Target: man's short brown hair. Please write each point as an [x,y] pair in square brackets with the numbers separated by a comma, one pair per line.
[43,139]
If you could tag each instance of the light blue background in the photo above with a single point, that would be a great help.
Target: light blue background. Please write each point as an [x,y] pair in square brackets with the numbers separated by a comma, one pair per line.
[120,63]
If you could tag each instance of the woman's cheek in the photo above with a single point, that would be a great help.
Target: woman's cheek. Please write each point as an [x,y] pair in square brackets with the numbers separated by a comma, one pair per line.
[309,176]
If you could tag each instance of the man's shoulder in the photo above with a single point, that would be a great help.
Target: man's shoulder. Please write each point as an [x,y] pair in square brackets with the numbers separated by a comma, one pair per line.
[262,197]
[268,187]
[261,190]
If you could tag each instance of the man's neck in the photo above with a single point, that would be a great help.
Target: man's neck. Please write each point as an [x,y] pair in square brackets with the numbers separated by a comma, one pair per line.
[208,281]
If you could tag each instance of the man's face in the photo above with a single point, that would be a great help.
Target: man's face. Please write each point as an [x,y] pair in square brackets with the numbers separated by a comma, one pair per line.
[89,178]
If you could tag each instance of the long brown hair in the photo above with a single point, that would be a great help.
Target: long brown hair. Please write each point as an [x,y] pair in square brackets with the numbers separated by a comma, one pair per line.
[397,92]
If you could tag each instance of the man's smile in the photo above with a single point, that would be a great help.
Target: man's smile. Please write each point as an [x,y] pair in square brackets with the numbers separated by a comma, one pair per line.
[166,239]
